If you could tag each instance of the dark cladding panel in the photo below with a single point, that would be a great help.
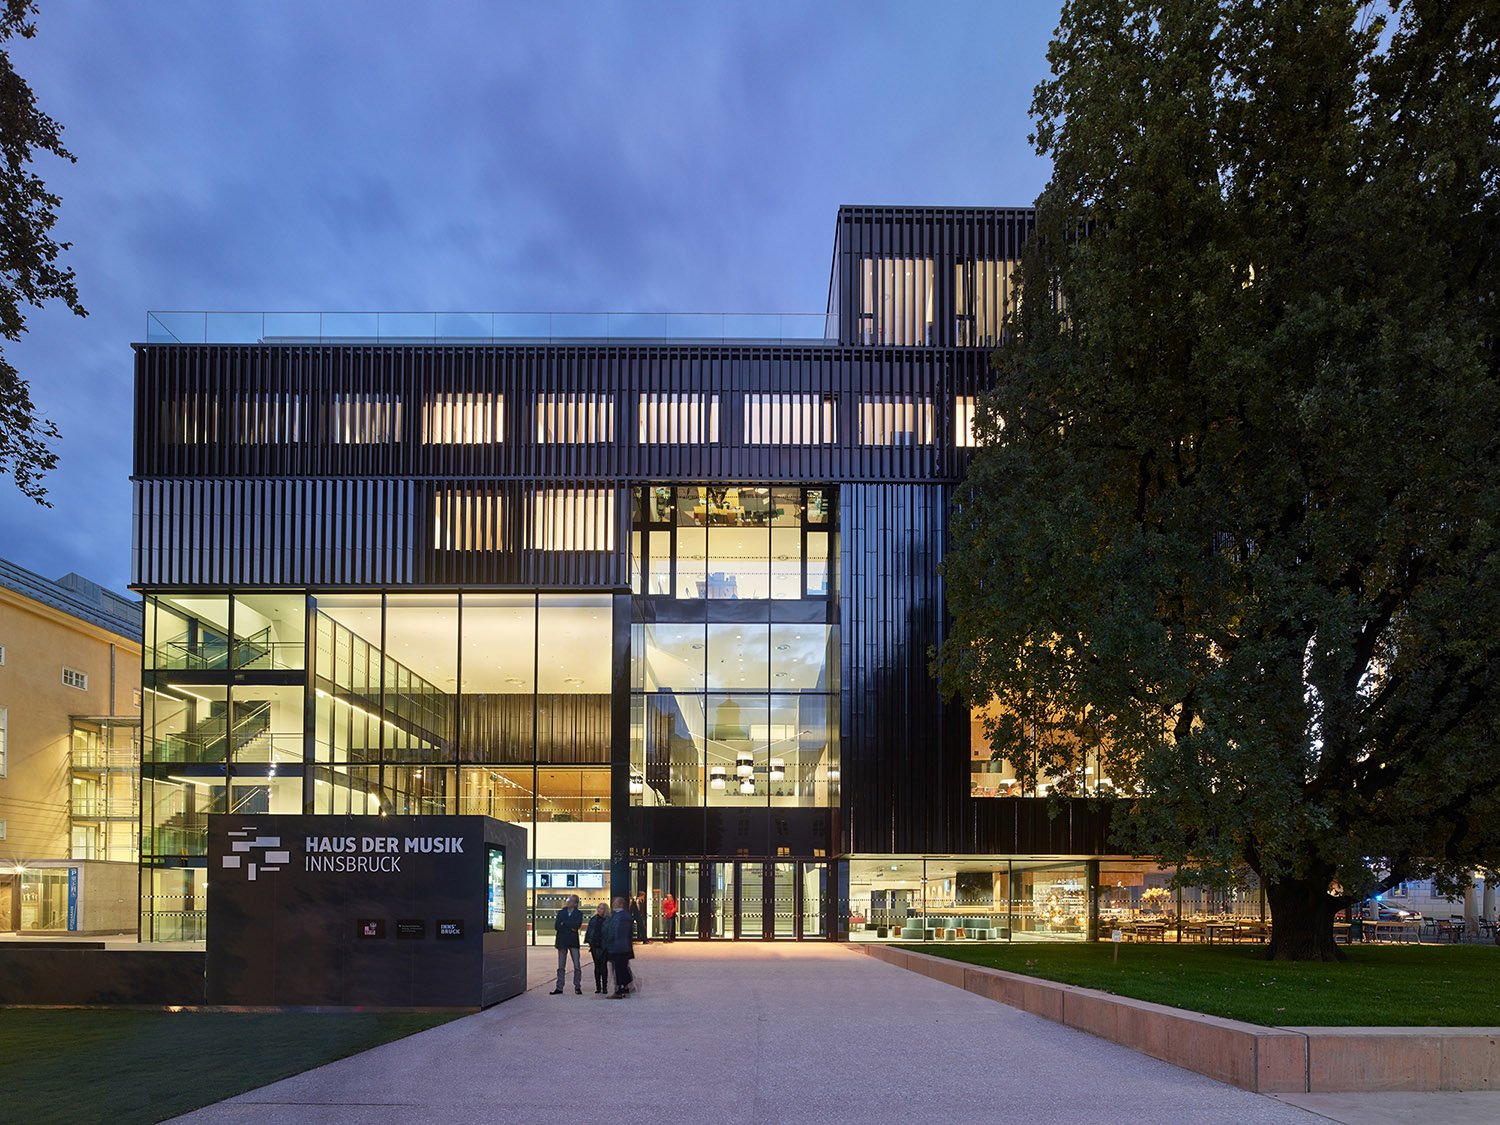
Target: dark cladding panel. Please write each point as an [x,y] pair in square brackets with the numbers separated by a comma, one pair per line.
[270,531]
[387,911]
[943,236]
[904,768]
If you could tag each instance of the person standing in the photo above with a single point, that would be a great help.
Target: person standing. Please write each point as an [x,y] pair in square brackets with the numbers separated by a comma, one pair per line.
[569,919]
[617,941]
[669,915]
[593,937]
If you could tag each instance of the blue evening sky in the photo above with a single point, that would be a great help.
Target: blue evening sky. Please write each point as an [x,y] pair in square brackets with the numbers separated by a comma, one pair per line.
[281,154]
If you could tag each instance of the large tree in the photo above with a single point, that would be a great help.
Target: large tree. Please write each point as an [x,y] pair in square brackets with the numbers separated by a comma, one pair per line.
[1236,512]
[29,271]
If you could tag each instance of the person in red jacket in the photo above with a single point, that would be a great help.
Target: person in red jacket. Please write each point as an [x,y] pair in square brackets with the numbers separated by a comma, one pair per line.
[669,915]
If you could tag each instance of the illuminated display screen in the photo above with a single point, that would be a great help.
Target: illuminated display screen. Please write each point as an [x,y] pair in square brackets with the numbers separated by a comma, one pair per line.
[494,910]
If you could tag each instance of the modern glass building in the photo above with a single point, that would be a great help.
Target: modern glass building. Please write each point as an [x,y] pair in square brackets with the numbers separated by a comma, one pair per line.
[660,589]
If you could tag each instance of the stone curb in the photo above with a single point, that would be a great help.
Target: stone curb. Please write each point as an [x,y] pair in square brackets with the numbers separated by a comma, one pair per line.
[1266,1060]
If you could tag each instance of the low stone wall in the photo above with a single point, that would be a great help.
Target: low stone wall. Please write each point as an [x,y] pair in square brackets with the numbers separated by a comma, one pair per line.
[1267,1060]
[85,974]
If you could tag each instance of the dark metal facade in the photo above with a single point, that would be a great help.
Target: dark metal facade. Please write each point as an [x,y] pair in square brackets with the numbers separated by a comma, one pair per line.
[299,465]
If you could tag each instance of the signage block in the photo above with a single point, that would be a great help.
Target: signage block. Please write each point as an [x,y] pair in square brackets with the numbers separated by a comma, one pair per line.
[301,910]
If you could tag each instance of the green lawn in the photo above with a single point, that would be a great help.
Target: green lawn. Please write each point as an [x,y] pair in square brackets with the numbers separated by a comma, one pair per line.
[1378,986]
[126,1066]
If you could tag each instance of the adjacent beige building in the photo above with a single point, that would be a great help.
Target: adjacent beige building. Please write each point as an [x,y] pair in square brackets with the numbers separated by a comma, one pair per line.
[70,704]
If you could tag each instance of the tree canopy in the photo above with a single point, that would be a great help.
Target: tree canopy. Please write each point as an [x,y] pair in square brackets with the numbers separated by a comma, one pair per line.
[29,271]
[1236,511]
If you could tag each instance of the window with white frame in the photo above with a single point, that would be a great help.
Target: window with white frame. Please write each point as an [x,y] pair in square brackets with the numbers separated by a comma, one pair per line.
[72,677]
[895,420]
[4,751]
[573,519]
[679,419]
[579,419]
[772,419]
[463,419]
[2,656]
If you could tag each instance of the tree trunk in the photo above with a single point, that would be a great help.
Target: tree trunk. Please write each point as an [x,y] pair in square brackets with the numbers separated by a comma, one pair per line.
[1302,921]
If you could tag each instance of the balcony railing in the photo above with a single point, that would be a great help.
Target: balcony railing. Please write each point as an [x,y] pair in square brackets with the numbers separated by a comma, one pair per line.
[215,655]
[188,326]
[102,808]
[99,758]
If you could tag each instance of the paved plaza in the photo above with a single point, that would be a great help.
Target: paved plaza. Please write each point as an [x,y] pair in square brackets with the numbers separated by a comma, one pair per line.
[767,1033]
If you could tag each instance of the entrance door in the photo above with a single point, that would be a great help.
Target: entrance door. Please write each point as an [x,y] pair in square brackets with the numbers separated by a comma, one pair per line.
[783,900]
[9,915]
[751,922]
[683,880]
[744,900]
[814,900]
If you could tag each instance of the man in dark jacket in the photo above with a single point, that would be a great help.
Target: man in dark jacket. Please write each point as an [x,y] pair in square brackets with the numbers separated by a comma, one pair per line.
[569,919]
[617,940]
[593,937]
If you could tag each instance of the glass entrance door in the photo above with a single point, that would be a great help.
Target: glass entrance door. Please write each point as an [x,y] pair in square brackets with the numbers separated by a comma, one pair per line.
[744,900]
[814,900]
[751,922]
[683,880]
[783,900]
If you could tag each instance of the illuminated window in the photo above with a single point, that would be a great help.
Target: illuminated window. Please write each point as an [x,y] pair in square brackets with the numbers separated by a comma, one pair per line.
[895,420]
[684,419]
[895,301]
[573,519]
[365,419]
[983,293]
[192,419]
[963,421]
[575,418]
[463,419]
[268,419]
[965,413]
[468,520]
[790,420]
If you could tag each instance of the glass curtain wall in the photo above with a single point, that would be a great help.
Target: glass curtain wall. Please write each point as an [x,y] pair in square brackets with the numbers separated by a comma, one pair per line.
[410,703]
[967,898]
[734,715]
[711,542]
[223,693]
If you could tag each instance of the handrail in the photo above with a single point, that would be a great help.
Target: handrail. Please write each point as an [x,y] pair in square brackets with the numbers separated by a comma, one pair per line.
[204,326]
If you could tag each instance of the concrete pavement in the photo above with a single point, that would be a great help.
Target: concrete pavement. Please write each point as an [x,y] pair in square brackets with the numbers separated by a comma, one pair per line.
[768,1033]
